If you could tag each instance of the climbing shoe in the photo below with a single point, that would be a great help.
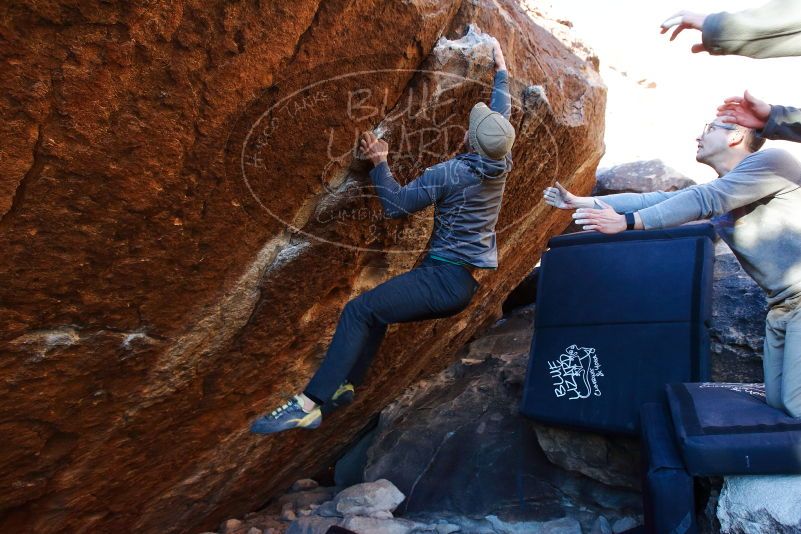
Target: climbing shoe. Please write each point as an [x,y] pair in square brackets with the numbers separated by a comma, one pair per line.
[289,415]
[342,397]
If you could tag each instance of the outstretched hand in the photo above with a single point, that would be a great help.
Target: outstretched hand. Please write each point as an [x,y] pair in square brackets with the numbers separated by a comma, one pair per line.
[746,110]
[373,148]
[684,20]
[559,197]
[606,220]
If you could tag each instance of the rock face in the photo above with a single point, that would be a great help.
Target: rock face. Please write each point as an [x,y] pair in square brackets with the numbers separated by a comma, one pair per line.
[639,177]
[183,220]
[615,462]
[760,505]
[737,331]
[455,443]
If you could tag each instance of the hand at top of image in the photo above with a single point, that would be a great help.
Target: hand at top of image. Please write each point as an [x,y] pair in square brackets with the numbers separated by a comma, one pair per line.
[684,20]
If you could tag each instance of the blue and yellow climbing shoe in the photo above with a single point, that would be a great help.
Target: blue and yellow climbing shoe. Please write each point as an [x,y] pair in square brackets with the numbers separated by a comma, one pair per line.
[289,415]
[342,397]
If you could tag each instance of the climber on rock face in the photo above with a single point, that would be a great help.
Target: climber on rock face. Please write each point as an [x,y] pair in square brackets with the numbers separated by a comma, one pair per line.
[466,192]
[754,205]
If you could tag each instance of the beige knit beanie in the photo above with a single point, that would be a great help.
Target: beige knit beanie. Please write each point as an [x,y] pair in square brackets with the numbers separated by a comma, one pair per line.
[491,135]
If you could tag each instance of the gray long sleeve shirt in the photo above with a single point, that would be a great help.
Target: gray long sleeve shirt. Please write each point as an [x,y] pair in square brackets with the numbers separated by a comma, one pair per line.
[756,210]
[466,192]
[771,30]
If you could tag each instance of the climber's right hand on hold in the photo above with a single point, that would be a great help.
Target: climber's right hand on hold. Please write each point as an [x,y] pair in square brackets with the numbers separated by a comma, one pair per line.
[497,55]
[373,148]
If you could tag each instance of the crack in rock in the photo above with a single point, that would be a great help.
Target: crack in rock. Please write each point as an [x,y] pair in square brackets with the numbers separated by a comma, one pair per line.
[220,323]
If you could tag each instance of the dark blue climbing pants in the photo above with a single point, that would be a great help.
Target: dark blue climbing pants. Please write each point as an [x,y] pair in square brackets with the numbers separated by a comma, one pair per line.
[431,290]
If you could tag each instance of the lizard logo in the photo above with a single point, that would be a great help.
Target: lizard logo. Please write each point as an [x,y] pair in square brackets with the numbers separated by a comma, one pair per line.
[575,373]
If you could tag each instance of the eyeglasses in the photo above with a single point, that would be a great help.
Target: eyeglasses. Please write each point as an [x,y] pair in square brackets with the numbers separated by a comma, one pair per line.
[708,127]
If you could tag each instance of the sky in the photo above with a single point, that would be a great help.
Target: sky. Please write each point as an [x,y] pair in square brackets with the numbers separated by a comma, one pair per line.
[662,122]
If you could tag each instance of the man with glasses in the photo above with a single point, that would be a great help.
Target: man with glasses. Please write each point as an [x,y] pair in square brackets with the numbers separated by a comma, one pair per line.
[755,205]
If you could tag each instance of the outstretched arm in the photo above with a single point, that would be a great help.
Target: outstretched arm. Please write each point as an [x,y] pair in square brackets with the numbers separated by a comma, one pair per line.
[416,195]
[772,30]
[559,197]
[761,175]
[501,100]
[604,213]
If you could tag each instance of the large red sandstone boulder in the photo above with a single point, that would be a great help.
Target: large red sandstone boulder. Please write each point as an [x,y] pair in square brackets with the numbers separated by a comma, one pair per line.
[183,220]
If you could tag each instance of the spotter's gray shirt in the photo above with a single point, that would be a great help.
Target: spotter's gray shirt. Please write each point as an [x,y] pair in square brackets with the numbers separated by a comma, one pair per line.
[783,123]
[756,210]
[466,192]
[770,30]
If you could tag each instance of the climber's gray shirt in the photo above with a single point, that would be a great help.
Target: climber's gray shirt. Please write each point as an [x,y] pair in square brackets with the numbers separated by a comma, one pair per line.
[756,210]
[466,192]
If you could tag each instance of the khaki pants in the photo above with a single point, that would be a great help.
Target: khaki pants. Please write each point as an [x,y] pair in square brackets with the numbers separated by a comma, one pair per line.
[782,360]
